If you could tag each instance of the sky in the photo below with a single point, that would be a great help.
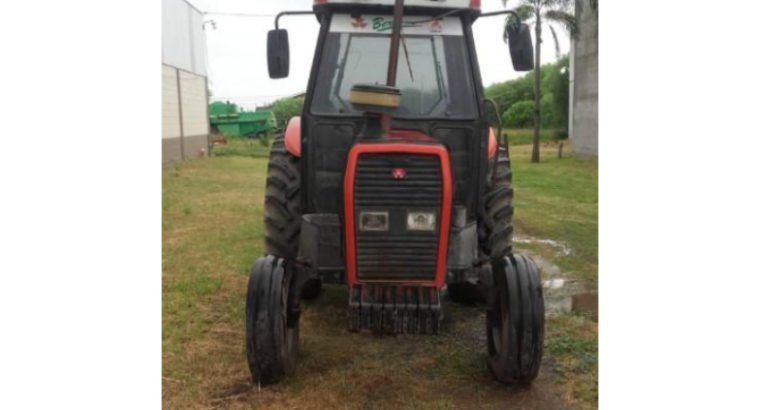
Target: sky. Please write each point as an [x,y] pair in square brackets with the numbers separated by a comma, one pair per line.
[237,66]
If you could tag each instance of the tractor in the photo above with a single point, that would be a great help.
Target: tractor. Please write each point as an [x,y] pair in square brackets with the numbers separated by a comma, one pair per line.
[393,182]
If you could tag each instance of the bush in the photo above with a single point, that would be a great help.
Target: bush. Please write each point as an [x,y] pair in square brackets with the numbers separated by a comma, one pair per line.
[264,140]
[519,114]
[547,110]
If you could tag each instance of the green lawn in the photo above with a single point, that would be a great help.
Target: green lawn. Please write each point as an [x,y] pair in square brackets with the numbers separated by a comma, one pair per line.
[558,199]
[523,136]
[243,147]
[212,231]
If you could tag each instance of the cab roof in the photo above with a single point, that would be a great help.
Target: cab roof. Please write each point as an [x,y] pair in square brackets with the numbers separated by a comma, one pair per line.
[434,4]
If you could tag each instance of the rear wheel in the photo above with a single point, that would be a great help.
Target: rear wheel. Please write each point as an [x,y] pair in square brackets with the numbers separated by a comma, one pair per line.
[271,329]
[465,293]
[282,202]
[311,289]
[282,209]
[495,227]
[496,222]
[515,320]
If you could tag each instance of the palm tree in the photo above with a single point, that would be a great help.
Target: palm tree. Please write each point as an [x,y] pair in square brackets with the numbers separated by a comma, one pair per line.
[535,12]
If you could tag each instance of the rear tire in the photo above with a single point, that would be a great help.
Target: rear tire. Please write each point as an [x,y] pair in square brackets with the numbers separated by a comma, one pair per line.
[271,333]
[497,229]
[465,293]
[282,202]
[311,289]
[515,320]
[282,209]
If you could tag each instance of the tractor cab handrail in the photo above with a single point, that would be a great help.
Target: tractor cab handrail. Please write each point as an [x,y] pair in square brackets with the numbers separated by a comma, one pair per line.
[442,15]
[289,13]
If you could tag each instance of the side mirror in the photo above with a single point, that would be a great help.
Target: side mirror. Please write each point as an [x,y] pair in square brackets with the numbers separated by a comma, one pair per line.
[520,47]
[278,53]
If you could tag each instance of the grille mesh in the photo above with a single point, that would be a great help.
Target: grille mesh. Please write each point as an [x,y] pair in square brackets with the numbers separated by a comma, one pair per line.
[397,254]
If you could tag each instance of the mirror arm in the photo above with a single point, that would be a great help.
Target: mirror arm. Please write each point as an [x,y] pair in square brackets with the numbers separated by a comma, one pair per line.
[501,139]
[498,13]
[288,13]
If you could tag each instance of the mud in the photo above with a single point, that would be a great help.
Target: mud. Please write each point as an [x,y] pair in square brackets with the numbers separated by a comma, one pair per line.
[586,304]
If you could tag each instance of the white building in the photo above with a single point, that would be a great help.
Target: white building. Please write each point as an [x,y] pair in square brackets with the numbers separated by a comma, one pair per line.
[584,80]
[184,122]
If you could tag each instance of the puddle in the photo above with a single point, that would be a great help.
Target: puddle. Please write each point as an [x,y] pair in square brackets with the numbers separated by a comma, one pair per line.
[558,246]
[554,283]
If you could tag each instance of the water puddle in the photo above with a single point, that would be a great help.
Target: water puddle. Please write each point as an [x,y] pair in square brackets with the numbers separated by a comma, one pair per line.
[554,284]
[561,247]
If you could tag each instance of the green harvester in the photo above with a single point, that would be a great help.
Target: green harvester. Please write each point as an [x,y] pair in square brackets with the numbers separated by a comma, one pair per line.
[228,120]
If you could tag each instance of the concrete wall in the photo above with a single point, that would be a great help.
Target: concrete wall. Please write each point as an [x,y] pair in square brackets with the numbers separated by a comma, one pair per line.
[194,104]
[184,98]
[184,119]
[584,129]
[169,103]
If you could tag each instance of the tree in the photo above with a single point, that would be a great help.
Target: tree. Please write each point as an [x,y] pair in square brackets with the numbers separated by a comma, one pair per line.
[519,114]
[535,12]
[286,108]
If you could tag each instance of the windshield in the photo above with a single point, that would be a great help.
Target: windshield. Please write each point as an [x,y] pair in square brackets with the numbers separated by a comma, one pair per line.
[433,71]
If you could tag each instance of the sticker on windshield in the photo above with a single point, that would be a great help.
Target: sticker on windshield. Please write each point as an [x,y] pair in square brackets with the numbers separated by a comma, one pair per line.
[411,25]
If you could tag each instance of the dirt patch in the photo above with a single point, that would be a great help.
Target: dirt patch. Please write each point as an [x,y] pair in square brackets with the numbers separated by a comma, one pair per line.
[586,304]
[363,371]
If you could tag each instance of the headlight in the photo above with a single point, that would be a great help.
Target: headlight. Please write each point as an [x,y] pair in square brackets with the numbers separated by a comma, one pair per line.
[420,221]
[373,221]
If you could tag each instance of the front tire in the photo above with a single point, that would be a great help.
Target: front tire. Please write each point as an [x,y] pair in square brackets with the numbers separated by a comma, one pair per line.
[515,320]
[271,329]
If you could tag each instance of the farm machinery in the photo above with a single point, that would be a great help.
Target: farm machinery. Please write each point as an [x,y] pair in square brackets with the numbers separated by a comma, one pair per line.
[393,182]
[226,119]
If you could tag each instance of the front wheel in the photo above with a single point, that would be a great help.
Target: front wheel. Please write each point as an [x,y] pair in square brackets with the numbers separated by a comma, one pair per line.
[271,329]
[515,320]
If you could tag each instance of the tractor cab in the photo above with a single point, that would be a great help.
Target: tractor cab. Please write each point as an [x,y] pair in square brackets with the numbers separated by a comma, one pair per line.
[392,182]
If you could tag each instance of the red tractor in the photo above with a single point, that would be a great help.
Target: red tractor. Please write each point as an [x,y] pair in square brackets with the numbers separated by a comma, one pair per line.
[393,182]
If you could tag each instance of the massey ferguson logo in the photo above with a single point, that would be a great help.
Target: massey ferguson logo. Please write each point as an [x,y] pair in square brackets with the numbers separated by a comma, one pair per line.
[398,173]
[358,22]
[436,26]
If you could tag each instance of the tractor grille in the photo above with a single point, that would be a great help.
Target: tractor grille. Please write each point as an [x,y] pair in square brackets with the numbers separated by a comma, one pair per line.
[397,254]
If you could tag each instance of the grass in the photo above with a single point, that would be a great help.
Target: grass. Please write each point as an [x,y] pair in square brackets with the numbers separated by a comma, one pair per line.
[558,199]
[523,136]
[243,147]
[572,352]
[212,231]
